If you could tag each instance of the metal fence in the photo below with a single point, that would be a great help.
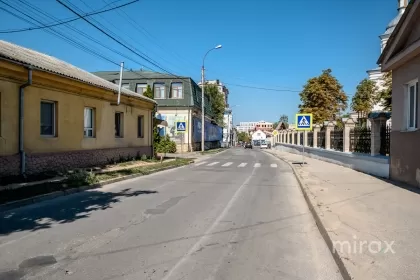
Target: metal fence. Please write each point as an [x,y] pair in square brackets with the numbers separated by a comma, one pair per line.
[310,139]
[385,133]
[336,139]
[320,139]
[301,138]
[360,140]
[295,138]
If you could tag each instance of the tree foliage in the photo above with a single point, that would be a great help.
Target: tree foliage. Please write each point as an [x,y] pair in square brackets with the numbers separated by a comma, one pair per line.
[365,97]
[284,119]
[165,145]
[148,92]
[217,101]
[244,137]
[323,96]
[385,95]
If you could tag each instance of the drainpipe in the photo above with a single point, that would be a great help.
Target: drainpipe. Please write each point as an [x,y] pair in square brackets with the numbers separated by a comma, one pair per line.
[152,130]
[21,110]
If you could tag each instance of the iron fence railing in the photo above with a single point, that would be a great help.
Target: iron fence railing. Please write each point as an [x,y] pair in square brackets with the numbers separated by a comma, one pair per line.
[301,139]
[385,134]
[336,139]
[310,139]
[360,140]
[295,138]
[320,139]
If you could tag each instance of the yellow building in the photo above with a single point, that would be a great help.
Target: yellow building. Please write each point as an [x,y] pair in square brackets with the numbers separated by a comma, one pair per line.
[55,116]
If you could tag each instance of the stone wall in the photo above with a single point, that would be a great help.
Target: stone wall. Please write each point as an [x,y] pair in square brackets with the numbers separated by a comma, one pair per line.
[38,163]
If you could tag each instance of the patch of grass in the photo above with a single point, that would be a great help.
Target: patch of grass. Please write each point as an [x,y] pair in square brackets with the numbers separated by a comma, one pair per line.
[84,178]
[213,151]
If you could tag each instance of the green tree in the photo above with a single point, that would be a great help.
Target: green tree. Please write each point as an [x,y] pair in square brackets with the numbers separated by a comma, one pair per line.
[323,96]
[217,101]
[243,136]
[148,92]
[385,95]
[365,98]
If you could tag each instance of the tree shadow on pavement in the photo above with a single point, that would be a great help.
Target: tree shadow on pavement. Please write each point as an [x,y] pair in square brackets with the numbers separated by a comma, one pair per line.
[62,210]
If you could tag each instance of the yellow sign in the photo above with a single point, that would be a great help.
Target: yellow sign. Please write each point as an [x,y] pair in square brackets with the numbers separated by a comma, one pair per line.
[304,121]
[275,132]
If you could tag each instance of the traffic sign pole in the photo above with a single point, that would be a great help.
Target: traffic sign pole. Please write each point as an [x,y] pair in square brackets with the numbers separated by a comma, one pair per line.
[303,122]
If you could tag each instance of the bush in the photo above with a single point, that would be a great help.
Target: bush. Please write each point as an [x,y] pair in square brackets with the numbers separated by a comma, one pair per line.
[143,157]
[166,145]
[82,178]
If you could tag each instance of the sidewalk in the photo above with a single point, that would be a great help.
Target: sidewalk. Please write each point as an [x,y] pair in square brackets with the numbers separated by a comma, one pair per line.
[371,226]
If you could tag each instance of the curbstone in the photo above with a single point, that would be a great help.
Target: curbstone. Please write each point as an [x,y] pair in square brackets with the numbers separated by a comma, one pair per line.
[49,196]
[324,233]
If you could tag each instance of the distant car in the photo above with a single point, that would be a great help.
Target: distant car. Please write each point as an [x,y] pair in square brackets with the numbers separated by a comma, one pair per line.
[248,146]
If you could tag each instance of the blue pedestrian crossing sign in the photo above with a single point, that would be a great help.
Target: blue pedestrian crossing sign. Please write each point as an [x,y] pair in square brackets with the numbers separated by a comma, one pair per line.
[304,121]
[181,126]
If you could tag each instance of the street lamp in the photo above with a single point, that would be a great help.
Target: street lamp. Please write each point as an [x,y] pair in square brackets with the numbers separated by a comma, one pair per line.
[202,97]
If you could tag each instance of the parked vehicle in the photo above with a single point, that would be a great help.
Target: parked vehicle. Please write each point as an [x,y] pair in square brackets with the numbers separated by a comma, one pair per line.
[263,145]
[248,145]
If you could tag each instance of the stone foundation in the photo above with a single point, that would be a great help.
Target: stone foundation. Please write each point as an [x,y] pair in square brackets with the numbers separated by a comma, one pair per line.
[38,163]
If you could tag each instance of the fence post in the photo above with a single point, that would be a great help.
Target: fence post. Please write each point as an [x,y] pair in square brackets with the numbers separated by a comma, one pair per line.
[305,138]
[317,128]
[348,125]
[329,126]
[375,135]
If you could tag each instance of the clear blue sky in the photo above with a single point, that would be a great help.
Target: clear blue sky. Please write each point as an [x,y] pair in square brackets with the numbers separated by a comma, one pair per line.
[266,43]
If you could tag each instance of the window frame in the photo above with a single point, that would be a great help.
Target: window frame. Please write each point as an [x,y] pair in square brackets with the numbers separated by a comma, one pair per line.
[85,129]
[408,86]
[160,85]
[121,125]
[54,119]
[140,126]
[180,85]
[125,85]
[144,88]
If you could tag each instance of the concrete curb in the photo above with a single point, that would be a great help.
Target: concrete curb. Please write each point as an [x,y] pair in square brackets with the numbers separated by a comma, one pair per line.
[36,199]
[324,233]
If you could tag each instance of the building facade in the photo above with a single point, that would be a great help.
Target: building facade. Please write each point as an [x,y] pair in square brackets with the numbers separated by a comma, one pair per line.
[402,56]
[376,75]
[253,126]
[178,99]
[55,116]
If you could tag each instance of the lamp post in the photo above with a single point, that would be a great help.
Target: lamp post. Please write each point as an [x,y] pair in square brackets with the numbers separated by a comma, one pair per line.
[202,97]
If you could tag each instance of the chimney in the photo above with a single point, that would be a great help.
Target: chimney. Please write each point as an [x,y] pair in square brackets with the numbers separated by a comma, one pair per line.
[402,5]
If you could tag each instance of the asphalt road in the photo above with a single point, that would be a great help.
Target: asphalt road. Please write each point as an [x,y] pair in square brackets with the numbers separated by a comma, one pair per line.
[237,215]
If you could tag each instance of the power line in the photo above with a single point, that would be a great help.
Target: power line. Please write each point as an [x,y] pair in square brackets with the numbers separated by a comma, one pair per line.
[114,39]
[262,88]
[65,21]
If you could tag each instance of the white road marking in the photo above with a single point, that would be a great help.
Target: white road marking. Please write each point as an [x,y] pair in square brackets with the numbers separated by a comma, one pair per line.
[273,165]
[208,232]
[243,164]
[227,164]
[257,165]
[200,163]
[213,163]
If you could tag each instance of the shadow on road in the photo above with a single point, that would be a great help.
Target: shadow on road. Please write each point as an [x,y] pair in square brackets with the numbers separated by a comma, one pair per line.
[62,211]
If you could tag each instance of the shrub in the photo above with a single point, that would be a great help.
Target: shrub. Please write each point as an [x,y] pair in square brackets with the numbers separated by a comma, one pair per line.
[81,178]
[143,157]
[166,145]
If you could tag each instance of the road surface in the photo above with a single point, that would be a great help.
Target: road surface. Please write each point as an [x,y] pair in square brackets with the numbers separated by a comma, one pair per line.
[237,215]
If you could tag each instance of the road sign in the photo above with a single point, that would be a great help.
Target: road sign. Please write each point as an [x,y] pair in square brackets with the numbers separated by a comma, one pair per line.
[304,121]
[181,126]
[275,132]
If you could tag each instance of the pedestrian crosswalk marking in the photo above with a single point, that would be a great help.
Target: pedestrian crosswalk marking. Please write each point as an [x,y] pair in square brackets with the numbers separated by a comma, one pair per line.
[257,165]
[243,164]
[200,163]
[273,165]
[227,164]
[213,163]
[231,164]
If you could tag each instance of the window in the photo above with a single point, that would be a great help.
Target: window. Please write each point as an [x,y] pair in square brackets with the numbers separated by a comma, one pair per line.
[48,118]
[89,121]
[176,90]
[126,86]
[140,126]
[119,124]
[412,105]
[141,88]
[159,91]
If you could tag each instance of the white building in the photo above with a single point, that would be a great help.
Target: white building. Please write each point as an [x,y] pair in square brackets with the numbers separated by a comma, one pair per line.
[250,126]
[375,74]
[222,89]
[258,135]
